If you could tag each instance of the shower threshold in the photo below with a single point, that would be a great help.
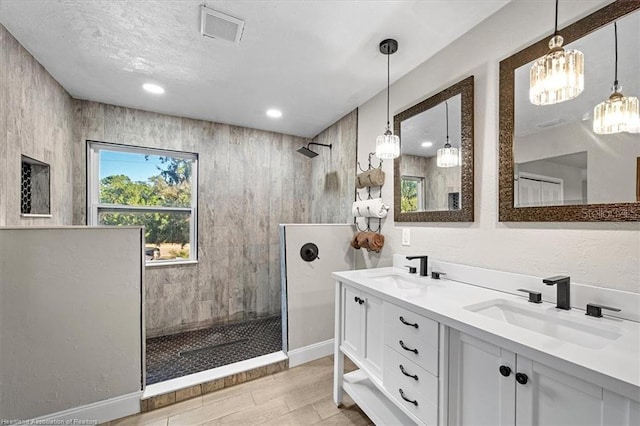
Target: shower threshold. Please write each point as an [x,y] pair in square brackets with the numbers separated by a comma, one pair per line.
[194,379]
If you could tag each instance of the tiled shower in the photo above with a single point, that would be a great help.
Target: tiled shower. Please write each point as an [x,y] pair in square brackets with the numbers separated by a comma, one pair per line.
[250,181]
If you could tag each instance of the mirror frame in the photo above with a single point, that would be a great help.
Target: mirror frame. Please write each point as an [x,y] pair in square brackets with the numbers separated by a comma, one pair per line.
[465,214]
[612,212]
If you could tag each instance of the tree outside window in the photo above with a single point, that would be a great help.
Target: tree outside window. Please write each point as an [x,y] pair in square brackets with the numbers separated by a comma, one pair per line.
[132,186]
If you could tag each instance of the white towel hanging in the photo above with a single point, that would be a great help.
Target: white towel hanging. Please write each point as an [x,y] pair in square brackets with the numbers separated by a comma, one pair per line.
[370,208]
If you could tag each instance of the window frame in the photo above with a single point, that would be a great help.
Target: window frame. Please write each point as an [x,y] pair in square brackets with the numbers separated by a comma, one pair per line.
[93,193]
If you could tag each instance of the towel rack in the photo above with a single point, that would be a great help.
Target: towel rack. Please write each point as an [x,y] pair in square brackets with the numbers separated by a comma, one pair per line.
[369,196]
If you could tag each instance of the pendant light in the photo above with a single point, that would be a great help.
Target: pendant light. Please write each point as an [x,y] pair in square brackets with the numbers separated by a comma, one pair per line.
[618,113]
[558,76]
[448,156]
[388,144]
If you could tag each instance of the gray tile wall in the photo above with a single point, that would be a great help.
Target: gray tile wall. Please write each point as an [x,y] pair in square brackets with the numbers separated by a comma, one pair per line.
[333,172]
[36,120]
[249,182]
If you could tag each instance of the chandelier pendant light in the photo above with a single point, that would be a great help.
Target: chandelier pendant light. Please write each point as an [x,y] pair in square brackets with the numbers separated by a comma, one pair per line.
[388,144]
[619,113]
[448,156]
[558,76]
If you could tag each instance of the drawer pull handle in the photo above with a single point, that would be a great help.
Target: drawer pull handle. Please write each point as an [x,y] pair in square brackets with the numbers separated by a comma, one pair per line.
[412,401]
[413,376]
[415,351]
[404,321]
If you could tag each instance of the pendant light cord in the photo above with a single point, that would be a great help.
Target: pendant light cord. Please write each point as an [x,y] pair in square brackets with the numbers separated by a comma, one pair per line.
[446,105]
[555,31]
[388,60]
[615,32]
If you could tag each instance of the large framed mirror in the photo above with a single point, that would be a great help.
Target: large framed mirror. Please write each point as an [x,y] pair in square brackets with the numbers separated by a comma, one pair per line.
[429,187]
[553,166]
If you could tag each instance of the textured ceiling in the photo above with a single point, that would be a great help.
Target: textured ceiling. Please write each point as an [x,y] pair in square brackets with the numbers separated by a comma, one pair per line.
[314,60]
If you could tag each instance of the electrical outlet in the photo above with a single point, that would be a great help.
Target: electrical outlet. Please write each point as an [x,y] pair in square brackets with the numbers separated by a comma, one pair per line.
[406,236]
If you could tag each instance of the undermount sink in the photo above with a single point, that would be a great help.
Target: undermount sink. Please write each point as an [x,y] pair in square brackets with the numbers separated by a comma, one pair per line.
[549,322]
[397,281]
[400,280]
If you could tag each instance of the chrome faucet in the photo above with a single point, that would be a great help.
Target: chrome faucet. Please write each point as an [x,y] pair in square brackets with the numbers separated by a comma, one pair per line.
[563,297]
[423,264]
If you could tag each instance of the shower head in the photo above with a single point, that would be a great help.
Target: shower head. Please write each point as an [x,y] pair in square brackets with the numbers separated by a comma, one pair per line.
[306,151]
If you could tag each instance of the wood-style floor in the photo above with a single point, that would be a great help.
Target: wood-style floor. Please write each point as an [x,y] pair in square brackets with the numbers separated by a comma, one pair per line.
[299,396]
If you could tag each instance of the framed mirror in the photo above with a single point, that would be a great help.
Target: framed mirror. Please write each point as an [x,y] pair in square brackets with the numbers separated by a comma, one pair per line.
[429,187]
[553,166]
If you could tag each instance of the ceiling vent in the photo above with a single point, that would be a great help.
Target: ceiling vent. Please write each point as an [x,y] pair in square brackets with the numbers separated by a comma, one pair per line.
[221,26]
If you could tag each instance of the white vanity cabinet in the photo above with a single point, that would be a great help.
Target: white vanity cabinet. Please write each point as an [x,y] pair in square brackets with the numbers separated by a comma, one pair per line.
[397,353]
[492,386]
[361,323]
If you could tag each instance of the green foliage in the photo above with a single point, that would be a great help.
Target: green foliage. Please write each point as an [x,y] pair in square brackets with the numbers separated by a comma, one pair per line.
[170,188]
[408,196]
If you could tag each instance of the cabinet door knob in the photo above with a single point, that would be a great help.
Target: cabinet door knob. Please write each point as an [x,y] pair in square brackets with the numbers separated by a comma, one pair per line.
[522,378]
[402,345]
[505,371]
[413,376]
[356,299]
[412,401]
[361,301]
[410,324]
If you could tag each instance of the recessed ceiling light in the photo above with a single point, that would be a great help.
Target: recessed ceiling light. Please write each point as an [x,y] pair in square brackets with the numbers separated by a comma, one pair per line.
[274,113]
[427,144]
[153,88]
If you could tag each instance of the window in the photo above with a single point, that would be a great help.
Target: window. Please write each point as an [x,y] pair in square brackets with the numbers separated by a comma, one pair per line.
[412,194]
[131,186]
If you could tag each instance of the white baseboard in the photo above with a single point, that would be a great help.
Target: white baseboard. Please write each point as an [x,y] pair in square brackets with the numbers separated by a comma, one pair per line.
[309,353]
[101,411]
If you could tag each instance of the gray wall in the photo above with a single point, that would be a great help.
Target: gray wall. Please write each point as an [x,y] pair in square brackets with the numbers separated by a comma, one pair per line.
[333,172]
[36,120]
[70,318]
[249,182]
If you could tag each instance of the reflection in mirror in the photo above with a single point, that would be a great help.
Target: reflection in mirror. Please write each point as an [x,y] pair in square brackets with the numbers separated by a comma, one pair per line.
[553,165]
[559,159]
[425,191]
[425,185]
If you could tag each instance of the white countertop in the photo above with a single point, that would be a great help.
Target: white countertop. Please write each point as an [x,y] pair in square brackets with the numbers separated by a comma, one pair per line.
[615,366]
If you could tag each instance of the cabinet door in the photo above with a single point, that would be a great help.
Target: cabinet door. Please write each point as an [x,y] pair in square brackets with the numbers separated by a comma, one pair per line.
[372,333]
[351,321]
[620,410]
[478,393]
[551,397]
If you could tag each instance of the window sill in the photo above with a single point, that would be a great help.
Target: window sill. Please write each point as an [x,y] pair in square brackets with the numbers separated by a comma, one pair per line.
[35,215]
[170,263]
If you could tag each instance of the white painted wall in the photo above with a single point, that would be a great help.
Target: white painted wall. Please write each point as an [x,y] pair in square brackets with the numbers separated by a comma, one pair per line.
[310,290]
[70,318]
[600,254]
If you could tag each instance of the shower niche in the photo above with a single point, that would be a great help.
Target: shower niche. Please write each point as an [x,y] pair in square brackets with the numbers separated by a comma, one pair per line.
[35,188]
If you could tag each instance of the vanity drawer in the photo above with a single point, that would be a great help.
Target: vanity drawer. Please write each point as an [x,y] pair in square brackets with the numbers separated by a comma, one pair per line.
[424,390]
[399,331]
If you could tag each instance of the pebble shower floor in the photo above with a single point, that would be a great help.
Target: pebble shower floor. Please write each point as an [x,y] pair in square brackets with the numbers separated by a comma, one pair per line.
[177,355]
